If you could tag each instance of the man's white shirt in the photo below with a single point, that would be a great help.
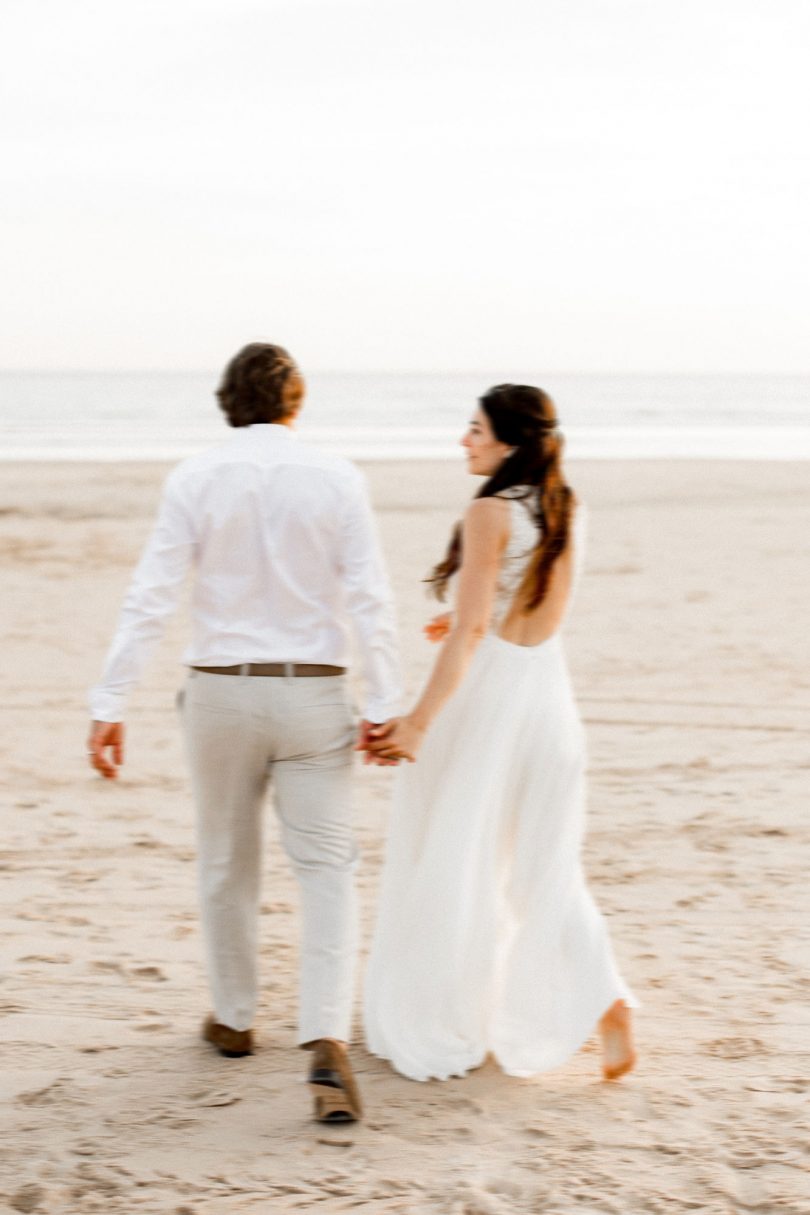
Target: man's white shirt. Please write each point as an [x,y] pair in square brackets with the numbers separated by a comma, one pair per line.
[286,556]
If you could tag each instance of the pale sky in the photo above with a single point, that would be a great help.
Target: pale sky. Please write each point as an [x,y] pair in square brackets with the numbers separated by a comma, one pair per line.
[570,185]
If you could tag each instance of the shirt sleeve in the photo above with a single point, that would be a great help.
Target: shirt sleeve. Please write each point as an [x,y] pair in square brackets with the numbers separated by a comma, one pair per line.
[370,605]
[152,597]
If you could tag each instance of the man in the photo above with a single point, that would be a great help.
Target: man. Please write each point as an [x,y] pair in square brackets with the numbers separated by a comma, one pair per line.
[285,556]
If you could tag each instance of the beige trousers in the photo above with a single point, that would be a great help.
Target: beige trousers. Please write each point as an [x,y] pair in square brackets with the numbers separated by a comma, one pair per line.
[242,732]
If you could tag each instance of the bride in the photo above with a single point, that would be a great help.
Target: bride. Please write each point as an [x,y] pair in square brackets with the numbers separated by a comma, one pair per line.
[487,939]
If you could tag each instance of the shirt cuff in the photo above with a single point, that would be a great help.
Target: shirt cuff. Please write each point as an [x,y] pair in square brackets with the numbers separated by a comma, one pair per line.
[378,711]
[107,706]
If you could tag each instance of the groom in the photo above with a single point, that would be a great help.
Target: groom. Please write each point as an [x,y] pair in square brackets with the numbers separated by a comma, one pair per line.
[283,547]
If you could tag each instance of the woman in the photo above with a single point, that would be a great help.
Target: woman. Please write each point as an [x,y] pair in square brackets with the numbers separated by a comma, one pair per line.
[487,939]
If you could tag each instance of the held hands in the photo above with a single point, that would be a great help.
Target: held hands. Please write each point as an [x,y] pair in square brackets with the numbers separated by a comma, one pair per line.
[387,743]
[364,741]
[394,740]
[106,736]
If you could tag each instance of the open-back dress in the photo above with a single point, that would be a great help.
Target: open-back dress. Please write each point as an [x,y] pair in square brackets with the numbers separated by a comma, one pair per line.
[487,939]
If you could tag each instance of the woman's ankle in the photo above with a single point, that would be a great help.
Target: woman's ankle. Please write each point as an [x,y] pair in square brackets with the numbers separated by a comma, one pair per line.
[618,1013]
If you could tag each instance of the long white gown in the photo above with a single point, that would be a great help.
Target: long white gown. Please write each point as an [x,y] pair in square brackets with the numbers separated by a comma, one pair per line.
[487,939]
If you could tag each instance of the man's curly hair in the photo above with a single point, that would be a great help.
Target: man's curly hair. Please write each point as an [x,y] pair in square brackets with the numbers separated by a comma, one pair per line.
[253,383]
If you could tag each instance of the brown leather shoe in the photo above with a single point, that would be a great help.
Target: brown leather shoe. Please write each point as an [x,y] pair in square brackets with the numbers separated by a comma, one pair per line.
[232,1043]
[332,1084]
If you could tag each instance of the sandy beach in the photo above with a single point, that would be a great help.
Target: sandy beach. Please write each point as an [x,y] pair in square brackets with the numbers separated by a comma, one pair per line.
[689,649]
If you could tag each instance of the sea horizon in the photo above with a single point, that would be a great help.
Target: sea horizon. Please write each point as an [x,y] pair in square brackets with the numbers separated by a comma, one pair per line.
[140,416]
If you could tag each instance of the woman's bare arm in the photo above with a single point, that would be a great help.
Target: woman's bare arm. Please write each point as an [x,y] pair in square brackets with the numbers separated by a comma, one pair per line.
[485,533]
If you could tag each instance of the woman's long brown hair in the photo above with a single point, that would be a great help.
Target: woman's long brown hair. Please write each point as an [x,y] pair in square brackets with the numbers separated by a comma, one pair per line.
[526,419]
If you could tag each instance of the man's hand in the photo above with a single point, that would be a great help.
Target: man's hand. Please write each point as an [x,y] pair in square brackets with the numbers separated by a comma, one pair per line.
[366,736]
[106,736]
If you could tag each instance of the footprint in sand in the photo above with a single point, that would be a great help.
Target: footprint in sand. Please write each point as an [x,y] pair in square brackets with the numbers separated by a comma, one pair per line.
[153,973]
[460,1104]
[27,1198]
[92,1179]
[758,1158]
[476,1202]
[84,1148]
[213,1098]
[52,959]
[503,1188]
[175,1123]
[107,967]
[459,1132]
[56,1091]
[779,1084]
[735,1048]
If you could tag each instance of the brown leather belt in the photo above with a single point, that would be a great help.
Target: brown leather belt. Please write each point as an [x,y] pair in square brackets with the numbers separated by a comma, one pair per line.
[279,669]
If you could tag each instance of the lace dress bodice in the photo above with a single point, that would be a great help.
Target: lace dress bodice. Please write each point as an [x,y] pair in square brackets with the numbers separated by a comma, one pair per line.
[523,540]
[487,939]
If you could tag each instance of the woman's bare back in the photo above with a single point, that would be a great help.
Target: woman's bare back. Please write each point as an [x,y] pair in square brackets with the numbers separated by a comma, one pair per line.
[511,623]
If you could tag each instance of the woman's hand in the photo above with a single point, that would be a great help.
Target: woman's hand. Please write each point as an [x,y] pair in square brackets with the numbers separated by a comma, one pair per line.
[400,739]
[438,628]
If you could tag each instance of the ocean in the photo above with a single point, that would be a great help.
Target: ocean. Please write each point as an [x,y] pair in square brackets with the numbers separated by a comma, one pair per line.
[381,416]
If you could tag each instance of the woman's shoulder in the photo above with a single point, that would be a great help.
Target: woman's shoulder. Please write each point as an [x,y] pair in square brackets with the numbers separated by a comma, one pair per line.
[492,508]
[487,519]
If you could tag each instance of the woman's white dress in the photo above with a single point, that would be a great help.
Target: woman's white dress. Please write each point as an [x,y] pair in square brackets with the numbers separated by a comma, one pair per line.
[487,938]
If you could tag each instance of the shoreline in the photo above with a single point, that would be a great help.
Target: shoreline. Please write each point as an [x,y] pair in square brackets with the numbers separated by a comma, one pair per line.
[401,444]
[169,460]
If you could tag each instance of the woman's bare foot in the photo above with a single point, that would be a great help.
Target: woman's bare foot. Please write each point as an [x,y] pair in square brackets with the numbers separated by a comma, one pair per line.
[618,1051]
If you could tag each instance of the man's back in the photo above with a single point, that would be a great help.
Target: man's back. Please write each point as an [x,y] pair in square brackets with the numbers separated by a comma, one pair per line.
[285,557]
[270,520]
